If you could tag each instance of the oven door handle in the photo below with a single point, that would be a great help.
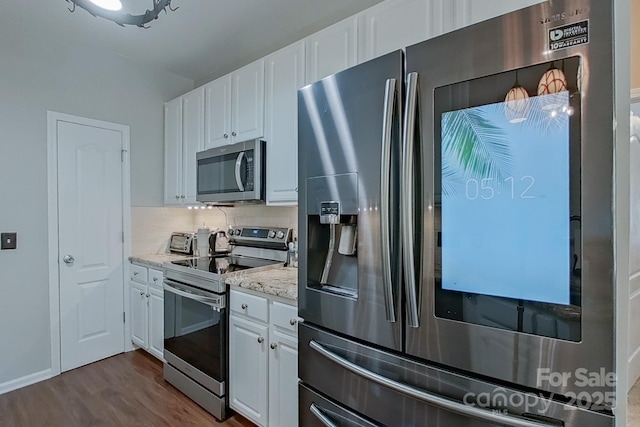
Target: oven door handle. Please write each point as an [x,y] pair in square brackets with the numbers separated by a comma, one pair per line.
[216,302]
[430,398]
[238,166]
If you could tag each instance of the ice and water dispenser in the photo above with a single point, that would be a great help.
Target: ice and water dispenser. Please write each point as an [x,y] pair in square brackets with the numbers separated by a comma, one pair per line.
[332,221]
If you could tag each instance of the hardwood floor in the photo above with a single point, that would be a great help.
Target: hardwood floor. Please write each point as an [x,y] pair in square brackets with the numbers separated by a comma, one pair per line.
[124,390]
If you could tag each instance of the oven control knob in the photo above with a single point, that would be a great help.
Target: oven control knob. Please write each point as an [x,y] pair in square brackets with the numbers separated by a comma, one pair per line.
[272,234]
[280,235]
[237,232]
[230,233]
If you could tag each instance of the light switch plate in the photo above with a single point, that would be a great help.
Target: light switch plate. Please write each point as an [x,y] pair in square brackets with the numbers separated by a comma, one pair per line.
[8,241]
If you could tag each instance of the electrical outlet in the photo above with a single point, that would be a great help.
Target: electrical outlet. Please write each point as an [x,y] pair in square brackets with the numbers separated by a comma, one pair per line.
[8,241]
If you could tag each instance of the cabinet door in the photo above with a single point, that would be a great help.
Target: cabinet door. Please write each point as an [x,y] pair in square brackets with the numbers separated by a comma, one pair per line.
[192,140]
[173,152]
[156,322]
[218,112]
[284,76]
[392,25]
[248,363]
[138,316]
[331,50]
[247,119]
[283,380]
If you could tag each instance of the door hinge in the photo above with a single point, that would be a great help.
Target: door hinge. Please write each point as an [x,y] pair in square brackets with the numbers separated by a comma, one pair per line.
[124,317]
[122,154]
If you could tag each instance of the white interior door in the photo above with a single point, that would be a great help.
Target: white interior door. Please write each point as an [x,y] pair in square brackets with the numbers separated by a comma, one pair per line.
[90,226]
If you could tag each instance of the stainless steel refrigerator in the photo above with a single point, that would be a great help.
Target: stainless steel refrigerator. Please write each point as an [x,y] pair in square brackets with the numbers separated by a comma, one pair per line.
[455,229]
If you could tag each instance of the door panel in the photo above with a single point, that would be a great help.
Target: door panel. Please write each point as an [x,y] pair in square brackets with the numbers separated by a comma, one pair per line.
[90,231]
[340,138]
[452,399]
[475,332]
[248,364]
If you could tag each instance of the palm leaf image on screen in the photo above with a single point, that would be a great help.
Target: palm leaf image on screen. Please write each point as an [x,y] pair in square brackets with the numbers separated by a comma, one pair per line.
[473,147]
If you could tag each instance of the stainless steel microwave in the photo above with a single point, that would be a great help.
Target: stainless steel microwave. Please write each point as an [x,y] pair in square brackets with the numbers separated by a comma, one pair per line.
[232,173]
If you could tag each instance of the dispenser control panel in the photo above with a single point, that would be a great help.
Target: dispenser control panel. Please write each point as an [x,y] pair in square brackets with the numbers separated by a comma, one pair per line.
[330,212]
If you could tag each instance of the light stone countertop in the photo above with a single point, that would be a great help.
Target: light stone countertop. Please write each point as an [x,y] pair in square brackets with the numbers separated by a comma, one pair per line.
[279,281]
[156,260]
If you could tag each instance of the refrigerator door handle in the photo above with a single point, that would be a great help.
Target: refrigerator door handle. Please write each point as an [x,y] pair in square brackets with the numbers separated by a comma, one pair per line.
[321,416]
[407,199]
[385,182]
[442,402]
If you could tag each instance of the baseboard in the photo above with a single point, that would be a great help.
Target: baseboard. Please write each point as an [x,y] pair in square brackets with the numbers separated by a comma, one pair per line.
[26,380]
[634,368]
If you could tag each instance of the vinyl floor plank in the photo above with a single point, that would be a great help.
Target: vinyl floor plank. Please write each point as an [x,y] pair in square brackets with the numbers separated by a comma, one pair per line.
[126,390]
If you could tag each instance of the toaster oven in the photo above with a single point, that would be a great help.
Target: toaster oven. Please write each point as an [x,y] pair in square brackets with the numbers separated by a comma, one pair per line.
[183,243]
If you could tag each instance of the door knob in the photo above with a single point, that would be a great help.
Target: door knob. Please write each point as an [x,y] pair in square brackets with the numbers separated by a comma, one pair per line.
[68,259]
[225,135]
[260,340]
[273,346]
[233,134]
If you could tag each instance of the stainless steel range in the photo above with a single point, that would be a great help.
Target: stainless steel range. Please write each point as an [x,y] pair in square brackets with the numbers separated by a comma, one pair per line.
[195,316]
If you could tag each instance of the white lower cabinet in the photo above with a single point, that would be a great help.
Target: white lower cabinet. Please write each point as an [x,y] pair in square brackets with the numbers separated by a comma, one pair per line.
[146,298]
[263,360]
[248,368]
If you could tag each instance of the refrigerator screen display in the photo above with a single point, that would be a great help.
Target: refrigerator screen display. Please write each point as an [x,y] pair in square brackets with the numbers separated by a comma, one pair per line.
[505,200]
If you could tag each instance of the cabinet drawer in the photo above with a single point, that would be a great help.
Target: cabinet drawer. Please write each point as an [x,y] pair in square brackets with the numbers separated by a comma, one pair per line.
[249,305]
[284,316]
[155,278]
[139,273]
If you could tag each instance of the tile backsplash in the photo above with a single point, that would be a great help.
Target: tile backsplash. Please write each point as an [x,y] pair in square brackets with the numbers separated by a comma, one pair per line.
[152,226]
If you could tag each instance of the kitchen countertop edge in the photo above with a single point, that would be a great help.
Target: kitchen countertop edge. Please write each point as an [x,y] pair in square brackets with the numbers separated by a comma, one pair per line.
[277,281]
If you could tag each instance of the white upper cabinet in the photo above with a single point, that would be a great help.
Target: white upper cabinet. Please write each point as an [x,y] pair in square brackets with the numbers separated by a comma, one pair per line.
[192,140]
[482,10]
[391,25]
[284,76]
[173,151]
[247,120]
[218,112]
[331,50]
[183,137]
[235,106]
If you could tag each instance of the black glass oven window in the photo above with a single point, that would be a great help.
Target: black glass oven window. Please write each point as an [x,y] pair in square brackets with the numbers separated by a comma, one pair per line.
[196,333]
[507,214]
[217,174]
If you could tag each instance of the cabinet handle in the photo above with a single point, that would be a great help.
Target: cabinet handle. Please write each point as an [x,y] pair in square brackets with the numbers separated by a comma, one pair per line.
[155,279]
[244,306]
[182,197]
[260,340]
[225,136]
[148,295]
[135,273]
[293,322]
[141,294]
[233,134]
[273,346]
[177,197]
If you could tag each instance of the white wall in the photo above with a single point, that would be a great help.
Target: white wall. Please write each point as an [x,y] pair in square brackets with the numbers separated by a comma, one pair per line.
[78,82]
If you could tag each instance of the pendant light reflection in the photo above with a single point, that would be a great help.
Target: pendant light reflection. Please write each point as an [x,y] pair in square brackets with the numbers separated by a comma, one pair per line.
[516,106]
[108,4]
[553,81]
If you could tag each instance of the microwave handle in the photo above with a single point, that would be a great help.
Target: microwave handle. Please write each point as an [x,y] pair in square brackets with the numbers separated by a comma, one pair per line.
[238,165]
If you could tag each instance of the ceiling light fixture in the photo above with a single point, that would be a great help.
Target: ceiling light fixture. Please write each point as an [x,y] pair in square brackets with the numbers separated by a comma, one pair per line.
[112,10]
